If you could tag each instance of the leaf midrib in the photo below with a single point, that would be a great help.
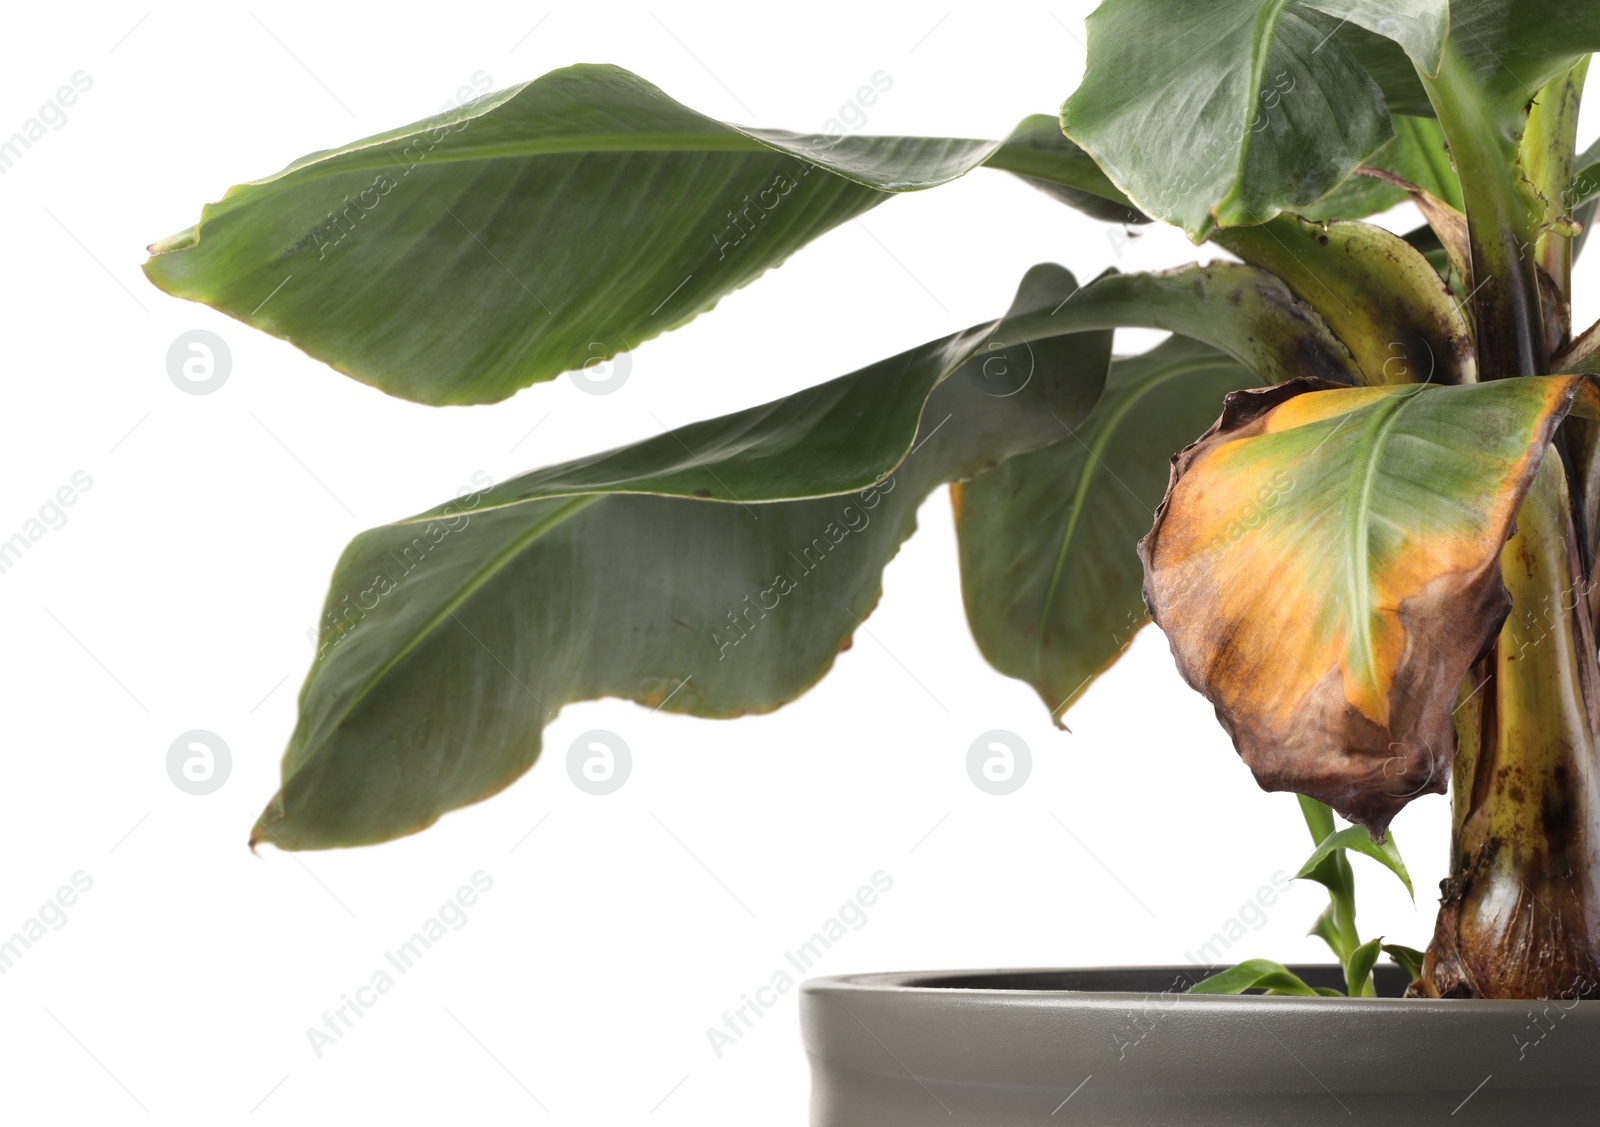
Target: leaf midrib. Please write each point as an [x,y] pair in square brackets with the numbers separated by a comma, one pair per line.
[1266,23]
[1357,537]
[384,155]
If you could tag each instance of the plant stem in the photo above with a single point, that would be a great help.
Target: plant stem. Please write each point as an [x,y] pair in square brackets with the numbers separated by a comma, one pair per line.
[1547,147]
[1520,911]
[1520,914]
[1500,222]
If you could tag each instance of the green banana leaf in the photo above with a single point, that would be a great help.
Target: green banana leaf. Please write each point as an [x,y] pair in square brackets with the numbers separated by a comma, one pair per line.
[1228,112]
[548,226]
[715,571]
[1050,571]
[450,639]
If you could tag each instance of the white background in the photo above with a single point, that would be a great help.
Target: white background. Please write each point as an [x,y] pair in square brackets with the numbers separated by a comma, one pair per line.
[179,594]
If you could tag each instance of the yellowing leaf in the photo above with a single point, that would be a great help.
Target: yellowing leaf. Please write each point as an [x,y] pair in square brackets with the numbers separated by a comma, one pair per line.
[1326,566]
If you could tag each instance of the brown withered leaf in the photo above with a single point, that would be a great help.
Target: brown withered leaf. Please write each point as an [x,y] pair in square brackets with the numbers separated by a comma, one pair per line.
[1326,568]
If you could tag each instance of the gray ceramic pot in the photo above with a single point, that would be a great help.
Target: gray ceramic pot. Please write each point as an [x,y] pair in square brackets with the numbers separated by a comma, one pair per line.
[1124,1048]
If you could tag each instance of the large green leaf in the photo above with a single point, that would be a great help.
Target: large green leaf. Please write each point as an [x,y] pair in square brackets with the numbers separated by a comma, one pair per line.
[544,227]
[714,570]
[1050,570]
[1229,112]
[1326,566]
[450,639]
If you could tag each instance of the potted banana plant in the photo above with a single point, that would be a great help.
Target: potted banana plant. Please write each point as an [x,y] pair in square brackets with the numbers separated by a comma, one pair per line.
[1374,460]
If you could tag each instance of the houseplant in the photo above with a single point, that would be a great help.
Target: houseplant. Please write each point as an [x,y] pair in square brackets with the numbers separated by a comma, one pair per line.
[1368,563]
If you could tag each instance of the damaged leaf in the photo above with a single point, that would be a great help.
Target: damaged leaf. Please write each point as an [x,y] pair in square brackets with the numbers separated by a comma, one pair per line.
[1326,566]
[1378,293]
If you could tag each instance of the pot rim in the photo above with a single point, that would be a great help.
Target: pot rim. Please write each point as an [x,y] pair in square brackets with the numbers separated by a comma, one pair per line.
[926,984]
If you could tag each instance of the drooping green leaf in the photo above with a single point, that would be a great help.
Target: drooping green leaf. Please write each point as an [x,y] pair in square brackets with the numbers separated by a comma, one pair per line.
[638,573]
[1386,853]
[542,228]
[1378,294]
[1244,311]
[1255,974]
[1049,568]
[714,570]
[1326,566]
[1229,112]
